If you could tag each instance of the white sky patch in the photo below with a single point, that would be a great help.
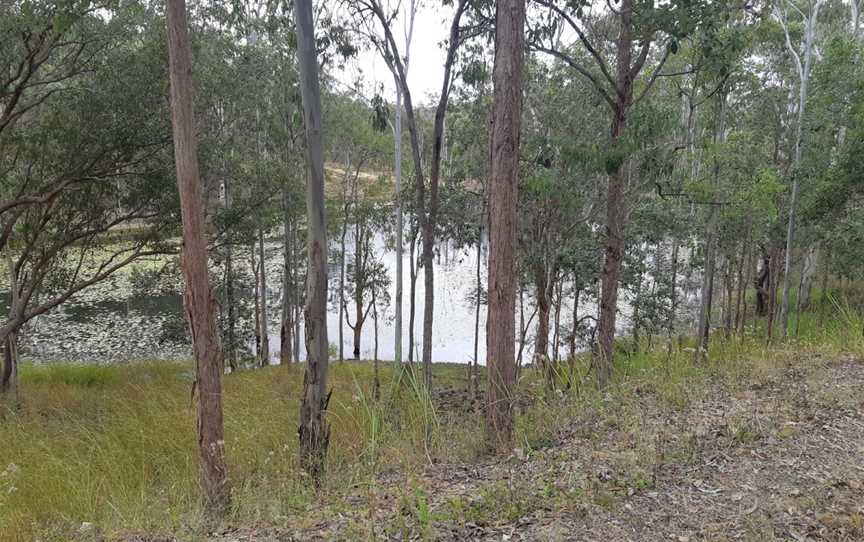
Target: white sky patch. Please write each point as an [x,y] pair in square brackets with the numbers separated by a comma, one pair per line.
[426,69]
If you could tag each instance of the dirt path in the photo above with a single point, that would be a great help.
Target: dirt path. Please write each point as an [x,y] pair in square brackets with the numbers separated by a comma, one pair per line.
[782,459]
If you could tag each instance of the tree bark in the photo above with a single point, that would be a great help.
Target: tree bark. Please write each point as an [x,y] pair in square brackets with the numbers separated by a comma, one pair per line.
[427,212]
[231,313]
[346,206]
[295,290]
[703,331]
[198,298]
[673,294]
[262,282]
[772,297]
[507,76]
[430,221]
[314,430]
[397,174]
[412,307]
[287,328]
[577,290]
[376,392]
[808,275]
[256,291]
[751,264]
[472,374]
[763,283]
[615,204]
[741,280]
[803,82]
[9,388]
[711,244]
[541,293]
[727,307]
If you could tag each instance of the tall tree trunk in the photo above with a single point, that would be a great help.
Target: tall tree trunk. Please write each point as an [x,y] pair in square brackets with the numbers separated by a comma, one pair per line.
[507,76]
[798,300]
[854,17]
[256,302]
[615,204]
[342,249]
[541,292]
[556,329]
[741,280]
[376,392]
[711,243]
[727,307]
[426,211]
[751,264]
[577,290]
[357,331]
[397,174]
[472,374]
[763,283]
[9,389]
[314,430]
[823,297]
[230,309]
[231,323]
[198,298]
[803,82]
[556,332]
[673,293]
[295,279]
[287,327]
[703,331]
[637,303]
[430,221]
[772,297]
[521,328]
[265,335]
[808,275]
[359,275]
[412,307]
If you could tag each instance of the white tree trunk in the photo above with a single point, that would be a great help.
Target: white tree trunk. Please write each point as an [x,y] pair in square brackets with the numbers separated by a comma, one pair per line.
[803,68]
[314,430]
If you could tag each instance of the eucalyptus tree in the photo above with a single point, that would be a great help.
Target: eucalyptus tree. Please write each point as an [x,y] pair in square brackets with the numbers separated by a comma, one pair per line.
[377,22]
[803,59]
[641,28]
[397,185]
[834,99]
[199,301]
[314,430]
[250,156]
[503,194]
[464,200]
[557,191]
[357,144]
[83,152]
[368,281]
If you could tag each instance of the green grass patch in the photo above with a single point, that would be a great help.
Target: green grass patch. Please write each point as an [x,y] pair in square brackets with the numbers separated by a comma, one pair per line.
[115,446]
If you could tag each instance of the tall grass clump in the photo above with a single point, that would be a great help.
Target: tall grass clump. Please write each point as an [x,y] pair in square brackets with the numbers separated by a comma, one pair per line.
[115,446]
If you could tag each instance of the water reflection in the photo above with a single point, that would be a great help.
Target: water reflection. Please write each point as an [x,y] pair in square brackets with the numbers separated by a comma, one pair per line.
[106,325]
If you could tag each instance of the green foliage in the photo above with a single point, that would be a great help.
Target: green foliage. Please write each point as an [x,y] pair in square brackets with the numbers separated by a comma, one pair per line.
[73,375]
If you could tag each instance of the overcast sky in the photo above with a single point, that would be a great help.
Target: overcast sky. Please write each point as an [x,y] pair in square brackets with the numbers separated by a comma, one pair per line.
[426,69]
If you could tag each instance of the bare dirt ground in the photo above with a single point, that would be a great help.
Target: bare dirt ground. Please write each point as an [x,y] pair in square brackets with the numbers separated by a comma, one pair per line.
[779,459]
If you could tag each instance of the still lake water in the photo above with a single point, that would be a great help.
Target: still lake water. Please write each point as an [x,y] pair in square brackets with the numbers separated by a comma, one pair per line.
[110,323]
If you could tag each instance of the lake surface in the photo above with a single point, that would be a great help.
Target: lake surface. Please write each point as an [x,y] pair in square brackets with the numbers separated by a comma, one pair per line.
[112,323]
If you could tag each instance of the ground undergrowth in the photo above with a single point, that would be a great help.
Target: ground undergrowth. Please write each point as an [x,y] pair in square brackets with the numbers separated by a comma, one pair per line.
[755,442]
